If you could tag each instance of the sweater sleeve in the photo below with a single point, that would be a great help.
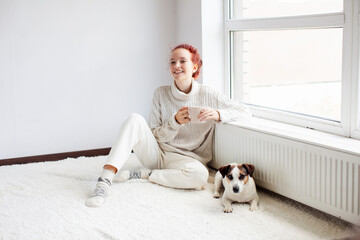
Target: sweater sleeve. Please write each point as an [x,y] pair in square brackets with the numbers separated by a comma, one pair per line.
[164,130]
[230,109]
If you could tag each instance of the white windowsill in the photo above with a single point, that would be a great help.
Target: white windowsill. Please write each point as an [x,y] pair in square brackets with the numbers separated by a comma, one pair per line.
[322,139]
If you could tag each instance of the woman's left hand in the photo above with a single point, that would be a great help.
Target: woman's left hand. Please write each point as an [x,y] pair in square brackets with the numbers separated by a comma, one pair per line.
[208,114]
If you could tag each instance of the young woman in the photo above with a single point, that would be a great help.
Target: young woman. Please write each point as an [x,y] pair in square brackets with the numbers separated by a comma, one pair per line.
[173,149]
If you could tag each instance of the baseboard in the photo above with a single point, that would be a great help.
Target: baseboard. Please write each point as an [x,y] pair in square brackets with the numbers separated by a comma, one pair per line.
[55,156]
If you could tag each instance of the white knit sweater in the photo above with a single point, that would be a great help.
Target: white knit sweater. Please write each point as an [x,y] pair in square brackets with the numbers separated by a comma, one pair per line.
[191,139]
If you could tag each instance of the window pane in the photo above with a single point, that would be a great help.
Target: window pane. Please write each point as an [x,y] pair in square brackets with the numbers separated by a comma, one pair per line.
[291,70]
[281,8]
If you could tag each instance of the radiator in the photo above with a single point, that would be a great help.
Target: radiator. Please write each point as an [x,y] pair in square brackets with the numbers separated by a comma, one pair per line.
[322,178]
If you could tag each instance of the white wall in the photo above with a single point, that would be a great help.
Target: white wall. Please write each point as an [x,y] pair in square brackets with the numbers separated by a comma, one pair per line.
[212,16]
[188,24]
[200,23]
[72,71]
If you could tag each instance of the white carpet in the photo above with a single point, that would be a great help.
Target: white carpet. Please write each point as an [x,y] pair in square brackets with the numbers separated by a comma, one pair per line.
[46,201]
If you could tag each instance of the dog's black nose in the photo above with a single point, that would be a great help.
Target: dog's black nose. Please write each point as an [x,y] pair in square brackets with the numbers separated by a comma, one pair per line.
[236,189]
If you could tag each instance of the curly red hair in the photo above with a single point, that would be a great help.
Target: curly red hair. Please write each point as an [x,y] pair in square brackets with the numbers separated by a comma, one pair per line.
[195,57]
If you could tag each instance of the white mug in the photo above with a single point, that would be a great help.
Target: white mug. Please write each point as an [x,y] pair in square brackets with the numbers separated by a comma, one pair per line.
[194,114]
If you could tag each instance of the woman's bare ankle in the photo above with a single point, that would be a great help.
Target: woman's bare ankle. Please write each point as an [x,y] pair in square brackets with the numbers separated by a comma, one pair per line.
[111,168]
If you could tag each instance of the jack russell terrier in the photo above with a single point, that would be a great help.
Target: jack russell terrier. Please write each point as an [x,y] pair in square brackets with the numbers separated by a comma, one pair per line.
[239,185]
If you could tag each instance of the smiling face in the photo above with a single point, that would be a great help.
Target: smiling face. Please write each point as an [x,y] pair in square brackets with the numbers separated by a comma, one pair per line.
[181,66]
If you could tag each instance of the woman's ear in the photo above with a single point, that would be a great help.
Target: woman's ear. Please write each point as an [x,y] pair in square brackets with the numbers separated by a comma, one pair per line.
[195,68]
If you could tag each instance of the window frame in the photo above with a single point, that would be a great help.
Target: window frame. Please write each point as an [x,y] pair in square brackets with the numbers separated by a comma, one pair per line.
[349,124]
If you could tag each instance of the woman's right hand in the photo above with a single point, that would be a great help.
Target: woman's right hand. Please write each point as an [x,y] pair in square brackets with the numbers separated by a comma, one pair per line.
[182,116]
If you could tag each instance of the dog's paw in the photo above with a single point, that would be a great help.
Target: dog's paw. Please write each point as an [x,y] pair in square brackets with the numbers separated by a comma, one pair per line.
[122,176]
[216,195]
[254,208]
[228,210]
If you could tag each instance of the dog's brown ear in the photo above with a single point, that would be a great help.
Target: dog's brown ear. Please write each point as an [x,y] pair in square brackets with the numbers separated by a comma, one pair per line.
[249,168]
[224,170]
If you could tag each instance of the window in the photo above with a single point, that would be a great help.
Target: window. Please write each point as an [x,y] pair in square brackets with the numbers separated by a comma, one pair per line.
[296,61]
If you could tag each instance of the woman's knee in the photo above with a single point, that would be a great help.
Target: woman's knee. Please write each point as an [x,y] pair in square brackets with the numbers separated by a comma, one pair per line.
[135,120]
[198,175]
[135,117]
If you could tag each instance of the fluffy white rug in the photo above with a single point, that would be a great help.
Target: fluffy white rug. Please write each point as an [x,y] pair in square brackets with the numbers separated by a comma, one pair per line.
[46,201]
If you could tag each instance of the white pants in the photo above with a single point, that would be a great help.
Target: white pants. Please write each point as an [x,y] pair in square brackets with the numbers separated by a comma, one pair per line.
[171,169]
